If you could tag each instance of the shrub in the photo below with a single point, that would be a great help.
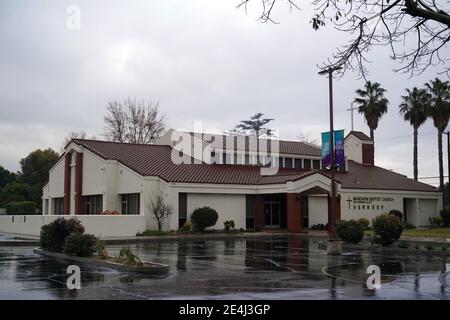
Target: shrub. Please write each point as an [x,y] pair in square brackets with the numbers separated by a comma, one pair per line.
[387,229]
[403,244]
[21,208]
[82,245]
[128,257]
[203,218]
[435,222]
[365,223]
[187,227]
[228,225]
[349,231]
[100,249]
[429,247]
[259,228]
[409,226]
[397,213]
[319,226]
[445,214]
[55,233]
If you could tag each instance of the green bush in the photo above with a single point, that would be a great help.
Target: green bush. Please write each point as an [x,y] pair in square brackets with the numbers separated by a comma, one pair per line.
[55,233]
[445,214]
[128,257]
[100,249]
[228,225]
[436,222]
[349,231]
[319,226]
[21,208]
[203,218]
[81,245]
[403,244]
[397,213]
[187,227]
[387,229]
[365,223]
[409,226]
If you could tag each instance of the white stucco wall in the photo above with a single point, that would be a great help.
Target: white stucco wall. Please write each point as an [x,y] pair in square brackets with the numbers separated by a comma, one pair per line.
[101,226]
[427,208]
[318,210]
[56,180]
[353,148]
[228,206]
[429,202]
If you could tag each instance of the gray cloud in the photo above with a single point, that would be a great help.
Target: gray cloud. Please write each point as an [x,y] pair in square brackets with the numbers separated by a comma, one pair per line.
[203,60]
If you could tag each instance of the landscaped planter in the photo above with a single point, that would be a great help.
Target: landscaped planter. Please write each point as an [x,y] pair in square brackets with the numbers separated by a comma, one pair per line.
[148,267]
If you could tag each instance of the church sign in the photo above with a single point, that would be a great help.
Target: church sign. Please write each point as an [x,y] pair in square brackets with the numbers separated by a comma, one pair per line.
[368,203]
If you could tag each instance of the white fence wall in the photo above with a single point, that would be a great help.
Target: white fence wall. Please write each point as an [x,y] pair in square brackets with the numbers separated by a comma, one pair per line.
[100,226]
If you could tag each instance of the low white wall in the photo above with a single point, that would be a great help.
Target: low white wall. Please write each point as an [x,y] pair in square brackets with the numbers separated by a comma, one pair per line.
[101,226]
[228,206]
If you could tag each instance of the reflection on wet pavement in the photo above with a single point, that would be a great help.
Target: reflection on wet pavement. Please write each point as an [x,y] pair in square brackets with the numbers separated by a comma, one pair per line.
[269,268]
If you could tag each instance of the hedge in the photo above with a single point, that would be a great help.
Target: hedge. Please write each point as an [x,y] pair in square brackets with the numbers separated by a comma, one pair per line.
[21,208]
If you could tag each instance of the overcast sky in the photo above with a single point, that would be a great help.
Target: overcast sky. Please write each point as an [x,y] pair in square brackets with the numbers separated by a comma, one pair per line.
[202,60]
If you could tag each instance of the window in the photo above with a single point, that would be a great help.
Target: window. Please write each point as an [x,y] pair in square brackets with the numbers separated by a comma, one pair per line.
[247,159]
[288,162]
[316,164]
[298,163]
[249,211]
[131,203]
[93,204]
[281,162]
[46,207]
[307,163]
[182,209]
[58,205]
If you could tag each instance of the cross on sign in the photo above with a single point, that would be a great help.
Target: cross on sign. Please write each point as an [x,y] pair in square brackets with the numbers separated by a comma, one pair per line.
[349,200]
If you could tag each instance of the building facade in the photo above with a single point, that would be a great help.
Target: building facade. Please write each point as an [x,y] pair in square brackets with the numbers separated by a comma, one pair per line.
[109,186]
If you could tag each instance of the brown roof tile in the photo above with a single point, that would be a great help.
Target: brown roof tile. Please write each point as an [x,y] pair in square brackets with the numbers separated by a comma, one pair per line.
[155,160]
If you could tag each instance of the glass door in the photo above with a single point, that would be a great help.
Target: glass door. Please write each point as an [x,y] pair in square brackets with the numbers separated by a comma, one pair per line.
[272,215]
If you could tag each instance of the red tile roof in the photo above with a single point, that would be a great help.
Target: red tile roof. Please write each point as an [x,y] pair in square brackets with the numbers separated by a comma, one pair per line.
[155,160]
[372,177]
[246,143]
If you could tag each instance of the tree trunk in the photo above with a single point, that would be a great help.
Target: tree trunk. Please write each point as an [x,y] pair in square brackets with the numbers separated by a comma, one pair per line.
[415,154]
[441,165]
[371,133]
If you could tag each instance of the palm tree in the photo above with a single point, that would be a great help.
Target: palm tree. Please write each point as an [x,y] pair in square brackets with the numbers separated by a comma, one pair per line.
[440,113]
[414,109]
[372,104]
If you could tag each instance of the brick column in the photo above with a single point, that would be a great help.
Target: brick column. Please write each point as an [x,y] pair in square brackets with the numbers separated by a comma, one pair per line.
[294,213]
[68,160]
[259,211]
[79,184]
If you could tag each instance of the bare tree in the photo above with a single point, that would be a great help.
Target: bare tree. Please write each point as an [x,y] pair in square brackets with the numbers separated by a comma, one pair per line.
[423,25]
[133,122]
[159,208]
[307,137]
[75,135]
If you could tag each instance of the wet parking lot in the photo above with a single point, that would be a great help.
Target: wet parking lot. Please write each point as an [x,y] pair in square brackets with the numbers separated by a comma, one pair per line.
[263,268]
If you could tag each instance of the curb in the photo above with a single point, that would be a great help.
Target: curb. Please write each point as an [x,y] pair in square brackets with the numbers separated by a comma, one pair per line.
[152,267]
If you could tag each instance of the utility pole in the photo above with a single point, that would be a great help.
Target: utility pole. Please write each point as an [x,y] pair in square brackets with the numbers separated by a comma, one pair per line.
[351,113]
[334,246]
[448,168]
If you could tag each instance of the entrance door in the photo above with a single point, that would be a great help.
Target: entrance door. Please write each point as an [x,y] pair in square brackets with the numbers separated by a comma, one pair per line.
[272,215]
